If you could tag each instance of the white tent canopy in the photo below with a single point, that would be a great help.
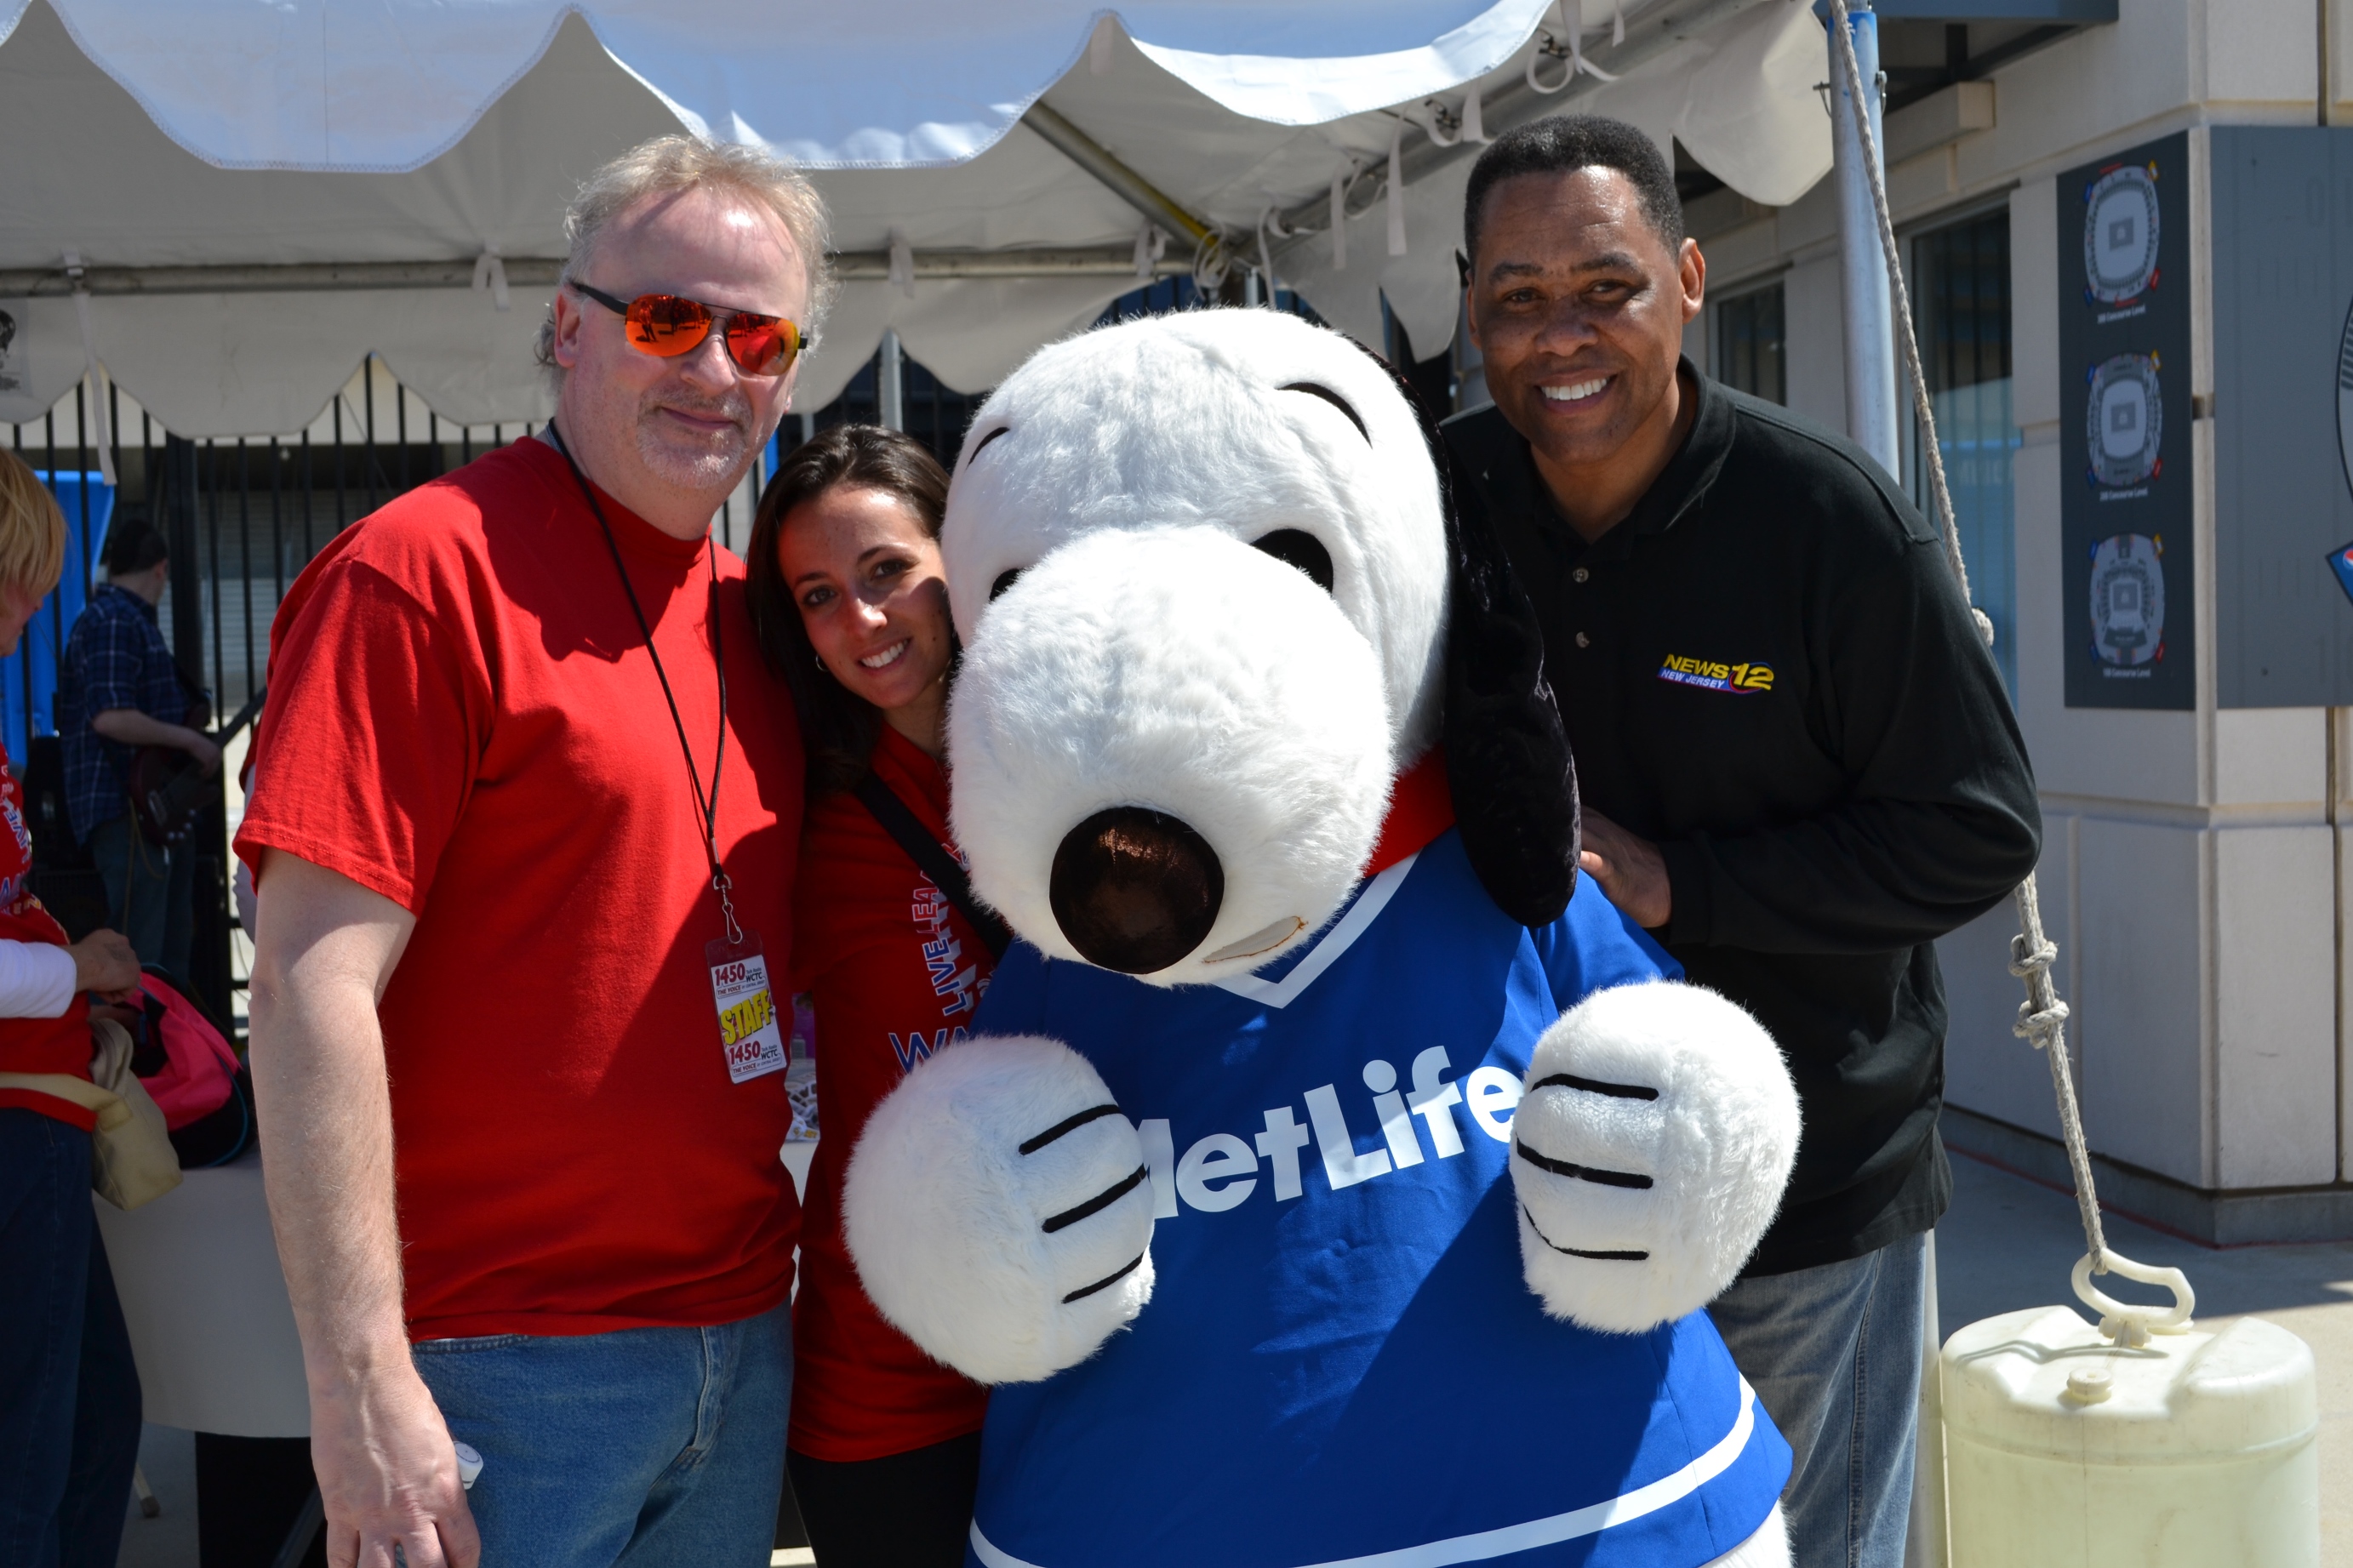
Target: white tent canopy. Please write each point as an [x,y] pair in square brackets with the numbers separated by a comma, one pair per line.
[358,165]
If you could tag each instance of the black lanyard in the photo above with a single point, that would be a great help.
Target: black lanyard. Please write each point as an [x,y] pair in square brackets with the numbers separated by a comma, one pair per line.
[706,811]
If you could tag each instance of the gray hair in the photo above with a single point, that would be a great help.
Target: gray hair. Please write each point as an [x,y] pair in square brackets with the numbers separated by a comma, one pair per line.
[669,164]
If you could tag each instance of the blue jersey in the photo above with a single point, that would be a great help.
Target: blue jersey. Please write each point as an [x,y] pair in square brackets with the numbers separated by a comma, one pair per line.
[1341,1362]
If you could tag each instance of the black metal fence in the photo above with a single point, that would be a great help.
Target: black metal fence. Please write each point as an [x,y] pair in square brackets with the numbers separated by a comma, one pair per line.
[930,411]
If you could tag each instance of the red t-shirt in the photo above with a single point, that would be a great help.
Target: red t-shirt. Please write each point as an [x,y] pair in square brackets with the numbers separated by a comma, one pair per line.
[464,716]
[893,972]
[35,1045]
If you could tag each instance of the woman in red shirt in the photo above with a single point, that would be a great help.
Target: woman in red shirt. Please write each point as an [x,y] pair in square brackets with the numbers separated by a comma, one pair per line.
[849,595]
[68,1392]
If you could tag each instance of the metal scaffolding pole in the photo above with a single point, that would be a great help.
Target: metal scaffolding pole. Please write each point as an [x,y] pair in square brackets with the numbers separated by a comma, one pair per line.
[1869,315]
[890,384]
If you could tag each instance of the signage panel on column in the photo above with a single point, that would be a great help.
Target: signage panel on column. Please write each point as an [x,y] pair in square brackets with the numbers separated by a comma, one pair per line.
[2283,290]
[2124,358]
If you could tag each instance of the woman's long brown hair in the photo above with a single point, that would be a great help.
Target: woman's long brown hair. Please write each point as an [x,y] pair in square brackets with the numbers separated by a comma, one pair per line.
[838,728]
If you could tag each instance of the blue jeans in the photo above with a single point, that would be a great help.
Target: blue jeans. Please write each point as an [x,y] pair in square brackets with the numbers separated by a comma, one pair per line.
[68,1392]
[150,896]
[645,1446]
[1834,1354]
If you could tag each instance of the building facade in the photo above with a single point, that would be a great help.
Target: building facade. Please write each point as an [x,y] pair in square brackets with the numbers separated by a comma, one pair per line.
[2130,247]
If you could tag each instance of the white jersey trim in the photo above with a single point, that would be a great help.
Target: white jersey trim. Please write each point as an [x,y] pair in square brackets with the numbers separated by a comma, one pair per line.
[1488,1544]
[1359,918]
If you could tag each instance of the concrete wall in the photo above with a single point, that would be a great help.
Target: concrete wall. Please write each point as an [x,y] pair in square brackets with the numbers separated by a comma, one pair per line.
[2191,868]
[2191,852]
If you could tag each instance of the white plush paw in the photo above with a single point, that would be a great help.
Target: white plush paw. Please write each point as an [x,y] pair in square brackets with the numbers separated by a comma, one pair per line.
[1768,1548]
[998,1210]
[1649,1153]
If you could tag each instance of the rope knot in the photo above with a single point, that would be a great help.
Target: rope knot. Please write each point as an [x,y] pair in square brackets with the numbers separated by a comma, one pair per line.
[2028,961]
[2038,1025]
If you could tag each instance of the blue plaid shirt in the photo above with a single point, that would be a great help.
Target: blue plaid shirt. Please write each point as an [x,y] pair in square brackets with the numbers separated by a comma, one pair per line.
[115,658]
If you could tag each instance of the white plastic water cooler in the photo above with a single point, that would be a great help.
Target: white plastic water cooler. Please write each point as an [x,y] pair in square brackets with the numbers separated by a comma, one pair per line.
[2141,1443]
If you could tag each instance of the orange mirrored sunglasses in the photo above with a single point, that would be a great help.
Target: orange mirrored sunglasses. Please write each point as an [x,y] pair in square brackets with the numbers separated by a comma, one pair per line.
[667,325]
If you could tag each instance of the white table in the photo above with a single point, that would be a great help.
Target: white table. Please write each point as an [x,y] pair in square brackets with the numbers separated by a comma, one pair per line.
[210,1324]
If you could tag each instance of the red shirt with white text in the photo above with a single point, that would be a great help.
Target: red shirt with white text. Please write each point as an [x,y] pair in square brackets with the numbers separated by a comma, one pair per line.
[893,972]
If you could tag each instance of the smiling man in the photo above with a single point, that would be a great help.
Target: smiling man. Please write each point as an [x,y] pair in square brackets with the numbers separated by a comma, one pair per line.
[524,822]
[1797,762]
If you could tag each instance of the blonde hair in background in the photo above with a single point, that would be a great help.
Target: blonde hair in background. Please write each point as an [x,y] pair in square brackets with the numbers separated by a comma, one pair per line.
[32,528]
[669,164]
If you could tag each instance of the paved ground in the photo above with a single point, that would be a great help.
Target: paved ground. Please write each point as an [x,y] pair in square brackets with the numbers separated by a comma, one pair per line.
[2007,1243]
[168,1457]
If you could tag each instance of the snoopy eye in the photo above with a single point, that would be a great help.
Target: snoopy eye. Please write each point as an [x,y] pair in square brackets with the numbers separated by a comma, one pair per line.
[984,440]
[1295,548]
[1004,580]
[1335,399]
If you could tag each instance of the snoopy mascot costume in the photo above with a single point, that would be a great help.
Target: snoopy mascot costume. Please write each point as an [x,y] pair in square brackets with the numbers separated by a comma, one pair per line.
[1323,1184]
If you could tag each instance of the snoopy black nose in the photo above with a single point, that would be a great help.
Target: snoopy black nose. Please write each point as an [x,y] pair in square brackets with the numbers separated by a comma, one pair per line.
[1136,890]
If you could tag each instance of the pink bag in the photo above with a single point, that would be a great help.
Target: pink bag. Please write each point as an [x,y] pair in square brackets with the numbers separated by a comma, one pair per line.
[195,1070]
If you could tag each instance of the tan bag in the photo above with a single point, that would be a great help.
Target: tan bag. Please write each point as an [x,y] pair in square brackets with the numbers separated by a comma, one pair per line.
[131,1155]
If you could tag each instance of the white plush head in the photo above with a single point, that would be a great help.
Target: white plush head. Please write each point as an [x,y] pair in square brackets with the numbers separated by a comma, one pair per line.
[1199,566]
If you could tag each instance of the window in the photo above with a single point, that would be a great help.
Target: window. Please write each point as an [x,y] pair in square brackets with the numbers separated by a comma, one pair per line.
[1748,340]
[1962,275]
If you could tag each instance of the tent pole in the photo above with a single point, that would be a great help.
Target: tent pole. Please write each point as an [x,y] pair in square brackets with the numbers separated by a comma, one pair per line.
[1872,420]
[1869,315]
[1122,180]
[891,382]
[539,271]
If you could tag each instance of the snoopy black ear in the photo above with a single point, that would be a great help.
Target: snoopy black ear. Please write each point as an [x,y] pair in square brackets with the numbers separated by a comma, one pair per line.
[1507,758]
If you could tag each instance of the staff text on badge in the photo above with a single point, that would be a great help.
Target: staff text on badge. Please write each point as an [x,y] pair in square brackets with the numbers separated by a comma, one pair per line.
[748,1030]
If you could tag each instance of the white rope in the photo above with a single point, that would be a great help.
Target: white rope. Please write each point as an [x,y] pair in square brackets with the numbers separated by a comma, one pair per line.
[2042,1016]
[1439,115]
[1211,262]
[1270,221]
[491,277]
[1150,244]
[1936,459]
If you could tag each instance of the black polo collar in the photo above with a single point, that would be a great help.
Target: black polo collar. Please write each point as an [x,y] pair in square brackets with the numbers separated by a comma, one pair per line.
[1691,473]
[1681,485]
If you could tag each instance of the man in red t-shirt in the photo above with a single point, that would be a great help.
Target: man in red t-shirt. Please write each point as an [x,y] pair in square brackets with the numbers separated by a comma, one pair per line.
[523,825]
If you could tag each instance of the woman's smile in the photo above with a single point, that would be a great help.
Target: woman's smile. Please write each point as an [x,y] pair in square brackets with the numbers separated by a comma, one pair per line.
[889,656]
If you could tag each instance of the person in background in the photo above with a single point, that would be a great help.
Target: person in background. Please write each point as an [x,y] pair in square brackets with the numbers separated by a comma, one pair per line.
[523,830]
[1797,764]
[847,591]
[69,1406]
[119,689]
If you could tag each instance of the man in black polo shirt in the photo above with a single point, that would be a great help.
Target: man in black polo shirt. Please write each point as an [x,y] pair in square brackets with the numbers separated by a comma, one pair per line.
[1797,762]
